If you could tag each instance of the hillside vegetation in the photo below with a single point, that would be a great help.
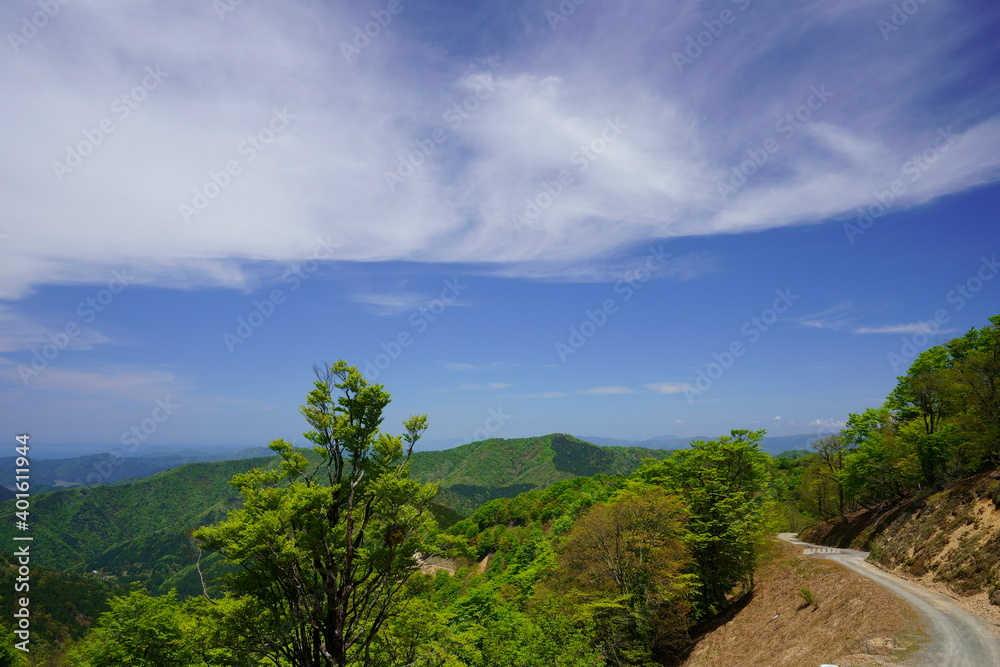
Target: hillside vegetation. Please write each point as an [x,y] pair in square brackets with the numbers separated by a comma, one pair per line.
[502,468]
[915,482]
[140,531]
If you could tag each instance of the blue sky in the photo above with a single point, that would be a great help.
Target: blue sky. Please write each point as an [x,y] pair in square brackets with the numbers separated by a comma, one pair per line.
[623,220]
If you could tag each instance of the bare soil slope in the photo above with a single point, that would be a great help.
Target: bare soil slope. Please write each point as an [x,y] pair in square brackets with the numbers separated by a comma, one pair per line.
[854,621]
[951,538]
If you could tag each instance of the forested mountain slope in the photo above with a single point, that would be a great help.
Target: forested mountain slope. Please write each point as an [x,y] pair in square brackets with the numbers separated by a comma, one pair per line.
[140,530]
[501,468]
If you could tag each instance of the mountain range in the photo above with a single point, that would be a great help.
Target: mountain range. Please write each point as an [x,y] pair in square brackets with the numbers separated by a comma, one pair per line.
[771,444]
[140,530]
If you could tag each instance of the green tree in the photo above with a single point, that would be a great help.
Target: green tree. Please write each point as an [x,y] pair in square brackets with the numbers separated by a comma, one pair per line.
[626,560]
[832,451]
[325,548]
[881,466]
[976,363]
[138,631]
[725,483]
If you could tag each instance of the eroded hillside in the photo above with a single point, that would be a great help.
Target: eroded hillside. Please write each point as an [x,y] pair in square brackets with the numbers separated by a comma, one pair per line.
[951,538]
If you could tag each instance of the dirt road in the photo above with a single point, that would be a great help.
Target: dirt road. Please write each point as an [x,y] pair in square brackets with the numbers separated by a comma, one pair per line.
[958,639]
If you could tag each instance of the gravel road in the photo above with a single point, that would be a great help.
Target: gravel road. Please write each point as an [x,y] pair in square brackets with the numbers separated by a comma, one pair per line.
[958,639]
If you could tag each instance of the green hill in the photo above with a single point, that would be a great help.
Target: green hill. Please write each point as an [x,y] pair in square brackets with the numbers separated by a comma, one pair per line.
[75,527]
[502,468]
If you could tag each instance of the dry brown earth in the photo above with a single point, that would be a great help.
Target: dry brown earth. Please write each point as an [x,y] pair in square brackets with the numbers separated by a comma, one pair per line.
[855,621]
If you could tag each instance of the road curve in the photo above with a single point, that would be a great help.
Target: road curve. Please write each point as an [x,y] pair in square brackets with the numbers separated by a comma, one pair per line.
[958,639]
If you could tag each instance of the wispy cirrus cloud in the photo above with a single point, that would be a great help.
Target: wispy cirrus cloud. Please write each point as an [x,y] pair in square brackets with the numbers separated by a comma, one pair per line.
[606,391]
[546,99]
[19,332]
[835,317]
[390,303]
[543,395]
[926,327]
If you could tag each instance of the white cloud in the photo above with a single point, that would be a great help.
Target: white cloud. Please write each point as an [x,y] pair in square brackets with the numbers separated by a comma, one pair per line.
[492,366]
[834,317]
[396,303]
[680,136]
[543,395]
[928,327]
[667,387]
[606,391]
[830,425]
[469,386]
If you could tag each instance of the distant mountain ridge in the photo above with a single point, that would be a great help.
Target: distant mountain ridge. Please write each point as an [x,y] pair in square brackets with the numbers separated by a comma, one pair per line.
[771,444]
[53,474]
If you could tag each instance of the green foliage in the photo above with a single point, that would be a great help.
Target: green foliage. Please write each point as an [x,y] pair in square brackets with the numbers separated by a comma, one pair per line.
[725,483]
[138,631]
[940,423]
[9,655]
[325,549]
[627,563]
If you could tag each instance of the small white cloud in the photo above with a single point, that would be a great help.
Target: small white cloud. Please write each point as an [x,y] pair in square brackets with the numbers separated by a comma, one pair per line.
[492,366]
[474,386]
[828,425]
[606,391]
[831,318]
[544,394]
[777,418]
[667,387]
[395,303]
[678,421]
[929,327]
